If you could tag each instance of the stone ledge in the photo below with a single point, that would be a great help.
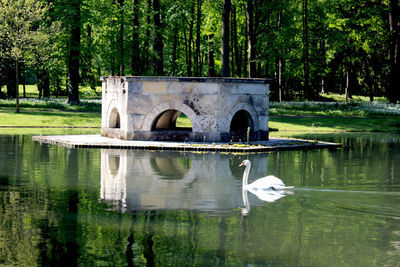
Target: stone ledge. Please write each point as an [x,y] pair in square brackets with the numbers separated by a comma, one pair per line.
[97,141]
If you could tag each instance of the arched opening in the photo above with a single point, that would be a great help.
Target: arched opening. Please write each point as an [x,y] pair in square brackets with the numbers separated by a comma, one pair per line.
[242,126]
[114,120]
[171,119]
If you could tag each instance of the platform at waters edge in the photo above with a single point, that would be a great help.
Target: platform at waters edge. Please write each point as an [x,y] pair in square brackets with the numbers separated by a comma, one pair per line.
[97,141]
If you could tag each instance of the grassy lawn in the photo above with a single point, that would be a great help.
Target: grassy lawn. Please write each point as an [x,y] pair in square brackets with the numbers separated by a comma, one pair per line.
[331,125]
[39,118]
[31,91]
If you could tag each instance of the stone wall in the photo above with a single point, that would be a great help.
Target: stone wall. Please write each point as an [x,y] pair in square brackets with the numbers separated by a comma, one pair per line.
[220,109]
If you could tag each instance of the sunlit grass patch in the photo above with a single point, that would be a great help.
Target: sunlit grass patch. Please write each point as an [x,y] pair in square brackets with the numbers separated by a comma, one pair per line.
[183,121]
[93,105]
[49,118]
[31,91]
[340,109]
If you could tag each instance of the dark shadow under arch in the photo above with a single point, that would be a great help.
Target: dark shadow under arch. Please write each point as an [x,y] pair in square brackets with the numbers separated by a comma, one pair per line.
[114,120]
[240,125]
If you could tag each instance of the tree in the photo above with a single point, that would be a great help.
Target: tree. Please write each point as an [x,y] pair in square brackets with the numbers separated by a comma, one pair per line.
[158,45]
[251,67]
[394,51]
[18,30]
[135,47]
[225,38]
[74,50]
[306,62]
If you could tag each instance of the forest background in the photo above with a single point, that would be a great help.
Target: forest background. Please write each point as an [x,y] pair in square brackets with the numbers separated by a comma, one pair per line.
[307,47]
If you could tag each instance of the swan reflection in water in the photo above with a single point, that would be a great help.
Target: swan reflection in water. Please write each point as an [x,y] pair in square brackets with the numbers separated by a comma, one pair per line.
[269,188]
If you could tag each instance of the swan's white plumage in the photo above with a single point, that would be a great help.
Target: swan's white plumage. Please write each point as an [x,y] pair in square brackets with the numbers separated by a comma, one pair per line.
[269,182]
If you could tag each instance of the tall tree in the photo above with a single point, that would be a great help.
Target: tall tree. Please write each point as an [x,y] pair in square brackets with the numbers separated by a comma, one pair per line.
[236,50]
[210,56]
[74,52]
[158,45]
[18,30]
[225,38]
[197,69]
[121,51]
[251,40]
[135,48]
[394,50]
[306,63]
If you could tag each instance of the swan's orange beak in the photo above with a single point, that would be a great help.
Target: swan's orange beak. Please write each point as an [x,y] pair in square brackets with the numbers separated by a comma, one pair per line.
[241,164]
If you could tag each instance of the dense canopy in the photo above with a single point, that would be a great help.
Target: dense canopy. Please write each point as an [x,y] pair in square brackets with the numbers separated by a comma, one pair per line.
[305,46]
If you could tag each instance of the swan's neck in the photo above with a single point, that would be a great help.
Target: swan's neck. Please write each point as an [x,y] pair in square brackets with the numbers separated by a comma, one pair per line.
[246,175]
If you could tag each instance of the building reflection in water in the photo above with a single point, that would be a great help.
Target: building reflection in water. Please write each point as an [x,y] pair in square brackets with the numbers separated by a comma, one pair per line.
[144,180]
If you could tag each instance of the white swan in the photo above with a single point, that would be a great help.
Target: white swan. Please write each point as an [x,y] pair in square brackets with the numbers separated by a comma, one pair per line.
[269,182]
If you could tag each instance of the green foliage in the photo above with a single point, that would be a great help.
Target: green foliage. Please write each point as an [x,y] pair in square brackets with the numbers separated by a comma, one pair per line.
[19,29]
[348,42]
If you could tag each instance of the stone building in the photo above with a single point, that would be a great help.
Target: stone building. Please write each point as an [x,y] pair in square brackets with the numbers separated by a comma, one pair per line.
[219,109]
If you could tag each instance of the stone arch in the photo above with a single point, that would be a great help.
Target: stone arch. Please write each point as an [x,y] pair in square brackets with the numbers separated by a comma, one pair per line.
[242,117]
[167,121]
[114,118]
[168,112]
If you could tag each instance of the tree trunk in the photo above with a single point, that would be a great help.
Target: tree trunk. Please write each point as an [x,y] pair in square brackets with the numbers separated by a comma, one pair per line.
[175,41]
[251,67]
[11,88]
[211,62]
[23,78]
[146,58]
[307,93]
[17,86]
[135,48]
[46,84]
[235,44]
[121,39]
[188,44]
[279,61]
[158,45]
[394,53]
[74,53]
[225,39]
[197,69]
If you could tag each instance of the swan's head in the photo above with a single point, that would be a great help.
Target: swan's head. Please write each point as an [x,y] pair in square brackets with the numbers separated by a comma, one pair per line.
[245,163]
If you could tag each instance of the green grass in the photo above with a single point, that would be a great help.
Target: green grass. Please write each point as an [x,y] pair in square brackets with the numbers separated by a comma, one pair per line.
[31,91]
[47,131]
[49,119]
[333,117]
[183,121]
[337,109]
[332,125]
[92,105]
[342,98]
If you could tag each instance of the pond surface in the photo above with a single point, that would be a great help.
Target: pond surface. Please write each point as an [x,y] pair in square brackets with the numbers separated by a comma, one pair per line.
[92,207]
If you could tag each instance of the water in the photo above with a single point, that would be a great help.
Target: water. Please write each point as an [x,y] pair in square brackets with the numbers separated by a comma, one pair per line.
[92,207]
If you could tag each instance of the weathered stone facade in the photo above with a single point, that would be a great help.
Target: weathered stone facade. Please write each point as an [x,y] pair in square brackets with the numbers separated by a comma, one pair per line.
[220,109]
